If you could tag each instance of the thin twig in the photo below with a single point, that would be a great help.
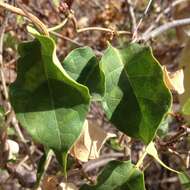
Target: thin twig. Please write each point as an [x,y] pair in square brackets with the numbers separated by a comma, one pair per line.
[2,30]
[73,41]
[59,26]
[46,165]
[132,16]
[14,122]
[103,30]
[30,16]
[135,34]
[177,155]
[103,160]
[67,38]
[163,28]
[166,11]
[140,161]
[4,149]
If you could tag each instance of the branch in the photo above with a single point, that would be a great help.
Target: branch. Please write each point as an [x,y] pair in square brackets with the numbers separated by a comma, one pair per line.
[166,11]
[58,26]
[4,149]
[103,160]
[132,16]
[135,34]
[2,31]
[103,30]
[164,28]
[30,16]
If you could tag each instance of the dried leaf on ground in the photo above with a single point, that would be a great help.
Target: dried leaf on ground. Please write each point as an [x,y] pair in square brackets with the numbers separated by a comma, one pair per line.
[67,186]
[89,144]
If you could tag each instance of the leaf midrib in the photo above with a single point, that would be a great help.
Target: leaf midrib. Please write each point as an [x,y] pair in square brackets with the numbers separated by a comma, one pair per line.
[52,100]
[120,60]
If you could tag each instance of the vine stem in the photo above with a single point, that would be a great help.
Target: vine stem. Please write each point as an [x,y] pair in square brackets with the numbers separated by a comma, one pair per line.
[46,165]
[134,37]
[58,26]
[30,16]
[140,161]
[102,29]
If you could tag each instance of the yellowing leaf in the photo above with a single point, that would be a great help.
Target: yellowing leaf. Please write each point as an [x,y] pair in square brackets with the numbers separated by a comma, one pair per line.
[151,150]
[67,186]
[174,81]
[89,144]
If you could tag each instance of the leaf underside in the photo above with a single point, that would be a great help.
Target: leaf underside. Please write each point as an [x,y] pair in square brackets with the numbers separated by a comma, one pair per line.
[82,65]
[48,103]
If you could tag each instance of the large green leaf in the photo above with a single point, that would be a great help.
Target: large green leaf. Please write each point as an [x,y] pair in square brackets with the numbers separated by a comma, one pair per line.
[82,65]
[48,103]
[118,175]
[136,98]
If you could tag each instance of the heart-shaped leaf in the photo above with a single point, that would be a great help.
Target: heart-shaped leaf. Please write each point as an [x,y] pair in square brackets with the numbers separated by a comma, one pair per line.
[136,97]
[118,175]
[48,103]
[82,65]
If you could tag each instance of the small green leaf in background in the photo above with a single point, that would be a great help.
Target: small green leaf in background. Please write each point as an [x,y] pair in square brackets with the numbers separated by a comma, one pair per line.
[118,175]
[2,116]
[115,145]
[164,126]
[82,65]
[186,107]
[10,41]
[184,180]
[56,2]
[2,112]
[136,97]
[48,103]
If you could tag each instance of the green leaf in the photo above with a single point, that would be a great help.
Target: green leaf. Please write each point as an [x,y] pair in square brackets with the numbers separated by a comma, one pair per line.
[136,98]
[164,126]
[82,65]
[184,180]
[118,175]
[48,103]
[151,150]
[10,41]
[2,112]
[2,116]
[186,108]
